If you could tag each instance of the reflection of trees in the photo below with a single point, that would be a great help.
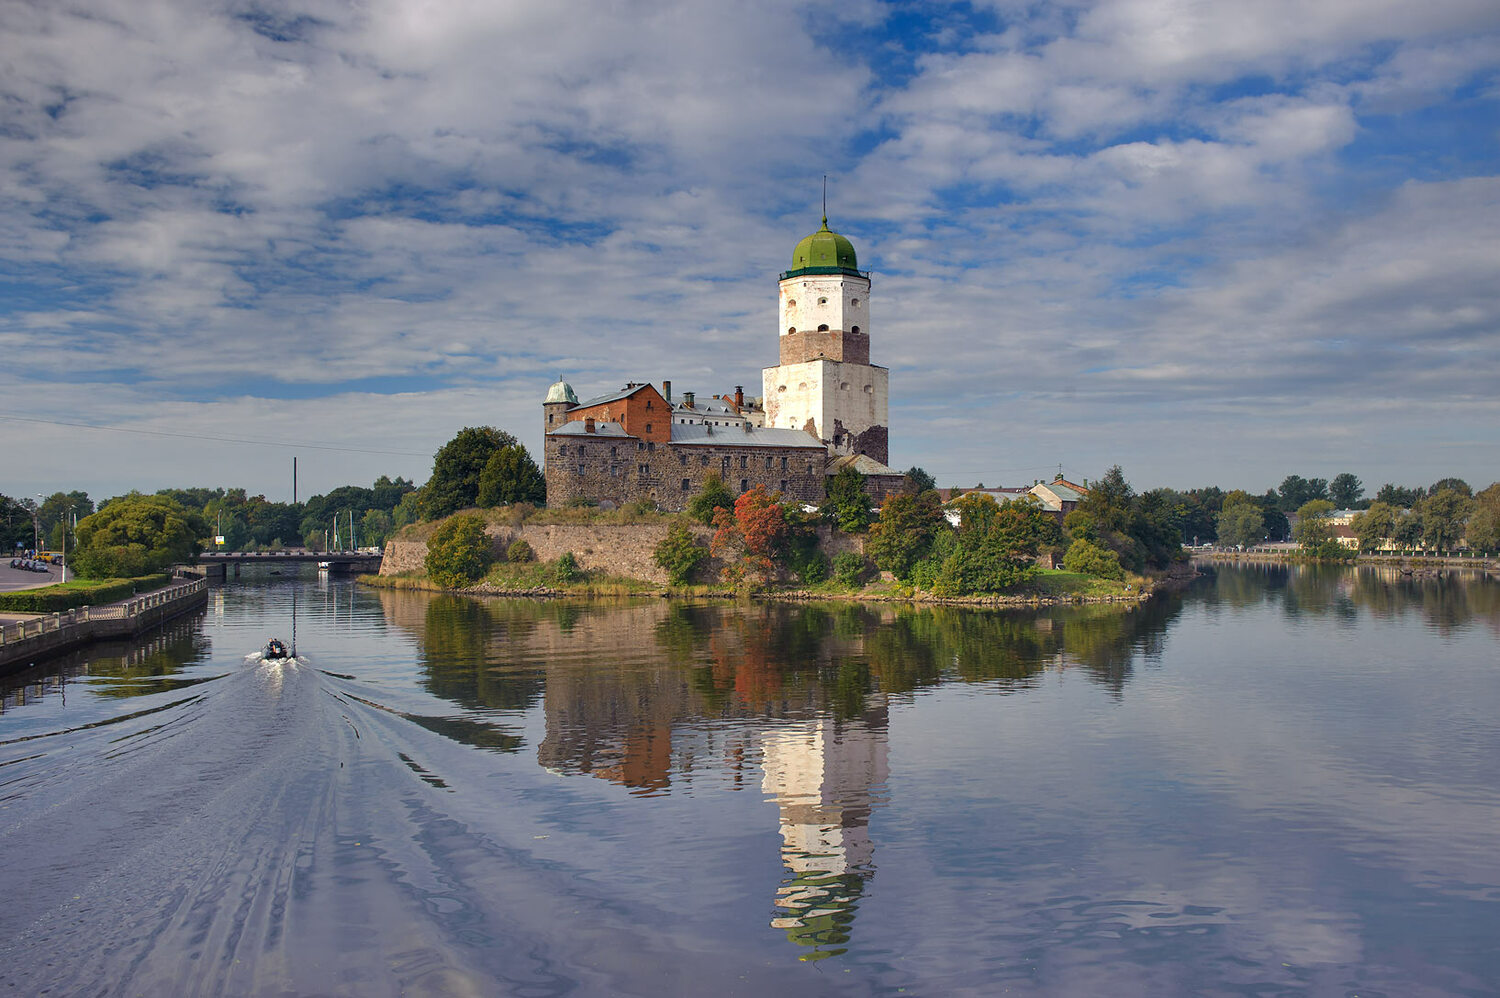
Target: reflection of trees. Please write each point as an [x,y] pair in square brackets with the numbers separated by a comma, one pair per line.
[150,665]
[464,646]
[1448,599]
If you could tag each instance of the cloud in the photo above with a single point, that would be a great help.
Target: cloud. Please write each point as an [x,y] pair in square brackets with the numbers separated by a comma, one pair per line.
[1088,207]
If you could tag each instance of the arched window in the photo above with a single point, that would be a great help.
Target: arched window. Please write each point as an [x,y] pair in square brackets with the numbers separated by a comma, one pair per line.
[853,329]
[823,328]
[791,303]
[854,303]
[790,330]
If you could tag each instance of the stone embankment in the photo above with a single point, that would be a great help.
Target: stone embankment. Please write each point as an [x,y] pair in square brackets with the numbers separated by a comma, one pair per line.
[28,641]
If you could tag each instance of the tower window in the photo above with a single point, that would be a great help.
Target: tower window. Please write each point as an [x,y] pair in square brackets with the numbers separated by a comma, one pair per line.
[853,302]
[791,303]
[823,328]
[843,386]
[854,329]
[868,390]
[789,331]
[822,301]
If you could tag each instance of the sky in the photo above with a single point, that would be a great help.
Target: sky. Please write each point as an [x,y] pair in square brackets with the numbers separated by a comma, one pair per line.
[1210,241]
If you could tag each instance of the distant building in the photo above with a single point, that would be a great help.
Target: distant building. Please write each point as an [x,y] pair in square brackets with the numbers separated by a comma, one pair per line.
[824,407]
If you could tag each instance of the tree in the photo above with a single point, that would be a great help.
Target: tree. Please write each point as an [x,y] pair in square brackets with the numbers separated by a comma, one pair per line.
[374,527]
[1408,532]
[1399,496]
[1444,514]
[1450,485]
[1312,527]
[1483,533]
[679,554]
[904,531]
[1374,525]
[917,481]
[710,499]
[751,537]
[136,535]
[456,468]
[1296,491]
[459,551]
[1345,491]
[1241,524]
[407,511]
[848,505]
[511,476]
[1091,560]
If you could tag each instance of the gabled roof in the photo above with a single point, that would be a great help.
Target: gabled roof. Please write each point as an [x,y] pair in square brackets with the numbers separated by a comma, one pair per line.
[575,428]
[623,393]
[693,434]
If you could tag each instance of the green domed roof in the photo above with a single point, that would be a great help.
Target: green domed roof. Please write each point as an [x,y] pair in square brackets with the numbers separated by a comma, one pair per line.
[561,392]
[825,248]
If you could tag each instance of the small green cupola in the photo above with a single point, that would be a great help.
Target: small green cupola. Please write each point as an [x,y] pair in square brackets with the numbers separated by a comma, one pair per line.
[824,252]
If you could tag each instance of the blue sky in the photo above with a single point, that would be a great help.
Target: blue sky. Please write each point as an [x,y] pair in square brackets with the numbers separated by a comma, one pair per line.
[1213,242]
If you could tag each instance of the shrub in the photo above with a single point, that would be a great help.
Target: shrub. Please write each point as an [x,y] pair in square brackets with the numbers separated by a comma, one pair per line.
[849,568]
[567,569]
[679,554]
[459,551]
[812,569]
[1090,559]
[519,551]
[59,598]
[711,498]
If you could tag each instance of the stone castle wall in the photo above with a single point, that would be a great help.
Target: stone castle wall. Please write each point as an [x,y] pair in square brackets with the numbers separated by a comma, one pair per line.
[617,549]
[624,470]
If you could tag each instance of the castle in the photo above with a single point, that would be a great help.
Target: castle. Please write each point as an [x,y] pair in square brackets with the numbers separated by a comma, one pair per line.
[823,407]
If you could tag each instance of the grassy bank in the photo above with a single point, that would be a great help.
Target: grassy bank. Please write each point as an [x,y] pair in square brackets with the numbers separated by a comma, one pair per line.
[534,579]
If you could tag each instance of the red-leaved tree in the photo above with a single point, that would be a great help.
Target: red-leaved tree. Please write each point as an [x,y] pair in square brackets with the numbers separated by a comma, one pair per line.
[751,538]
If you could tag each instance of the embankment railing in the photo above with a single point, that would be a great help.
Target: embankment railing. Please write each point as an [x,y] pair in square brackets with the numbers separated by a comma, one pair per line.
[124,610]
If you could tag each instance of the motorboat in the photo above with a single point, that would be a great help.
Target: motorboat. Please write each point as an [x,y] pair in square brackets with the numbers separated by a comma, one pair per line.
[274,650]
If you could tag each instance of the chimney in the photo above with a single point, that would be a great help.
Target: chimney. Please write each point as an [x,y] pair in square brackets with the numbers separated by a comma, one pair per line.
[687,399]
[746,426]
[666,389]
[739,397]
[588,424]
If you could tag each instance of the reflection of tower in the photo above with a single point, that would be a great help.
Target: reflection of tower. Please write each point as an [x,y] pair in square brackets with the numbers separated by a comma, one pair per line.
[825,776]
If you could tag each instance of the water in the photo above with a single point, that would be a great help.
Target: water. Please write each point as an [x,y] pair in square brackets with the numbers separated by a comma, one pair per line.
[1277,783]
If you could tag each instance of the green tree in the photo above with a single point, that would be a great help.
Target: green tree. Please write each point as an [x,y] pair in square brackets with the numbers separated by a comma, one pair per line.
[1444,514]
[1374,525]
[848,504]
[137,535]
[849,568]
[1345,491]
[1451,485]
[1408,531]
[456,468]
[1241,524]
[1397,495]
[1483,533]
[374,527]
[917,481]
[511,476]
[1312,527]
[1092,560]
[408,510]
[679,554]
[709,499]
[459,551]
[1296,491]
[904,532]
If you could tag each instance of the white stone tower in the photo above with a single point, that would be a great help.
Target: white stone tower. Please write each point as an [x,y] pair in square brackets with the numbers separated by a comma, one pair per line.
[825,383]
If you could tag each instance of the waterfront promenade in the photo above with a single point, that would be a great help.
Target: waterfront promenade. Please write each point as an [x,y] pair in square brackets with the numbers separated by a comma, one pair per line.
[29,638]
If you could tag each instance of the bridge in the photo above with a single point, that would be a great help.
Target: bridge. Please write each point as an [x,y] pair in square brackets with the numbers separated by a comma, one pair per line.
[216,564]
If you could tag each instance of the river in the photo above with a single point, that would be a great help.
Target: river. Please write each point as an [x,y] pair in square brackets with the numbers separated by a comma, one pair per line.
[1281,781]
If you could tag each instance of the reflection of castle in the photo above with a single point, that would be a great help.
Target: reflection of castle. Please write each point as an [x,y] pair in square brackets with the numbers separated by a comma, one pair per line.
[824,776]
